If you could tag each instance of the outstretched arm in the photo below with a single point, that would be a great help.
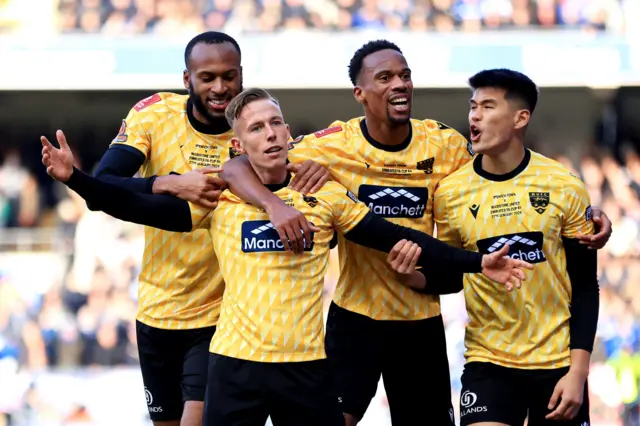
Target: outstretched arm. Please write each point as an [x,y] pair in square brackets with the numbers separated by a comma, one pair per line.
[377,233]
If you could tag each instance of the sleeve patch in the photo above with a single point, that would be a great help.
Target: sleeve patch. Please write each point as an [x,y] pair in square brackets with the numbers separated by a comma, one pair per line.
[442,126]
[294,142]
[352,196]
[321,133]
[588,214]
[122,133]
[153,99]
[469,149]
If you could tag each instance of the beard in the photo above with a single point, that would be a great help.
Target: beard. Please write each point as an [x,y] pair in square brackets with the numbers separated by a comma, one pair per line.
[202,109]
[394,121]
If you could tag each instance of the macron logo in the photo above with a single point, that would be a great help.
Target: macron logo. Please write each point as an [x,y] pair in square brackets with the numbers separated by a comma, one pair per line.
[510,241]
[395,194]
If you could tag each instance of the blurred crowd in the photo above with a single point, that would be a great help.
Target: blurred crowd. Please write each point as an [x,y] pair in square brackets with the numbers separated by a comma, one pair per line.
[83,314]
[169,17]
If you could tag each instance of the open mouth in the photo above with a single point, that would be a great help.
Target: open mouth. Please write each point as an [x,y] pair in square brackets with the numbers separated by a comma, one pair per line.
[218,104]
[400,103]
[273,150]
[475,133]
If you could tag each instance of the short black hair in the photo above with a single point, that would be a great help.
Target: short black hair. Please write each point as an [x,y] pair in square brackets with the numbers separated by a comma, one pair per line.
[515,84]
[209,37]
[355,65]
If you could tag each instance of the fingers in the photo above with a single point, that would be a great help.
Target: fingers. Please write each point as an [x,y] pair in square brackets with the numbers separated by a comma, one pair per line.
[209,169]
[555,397]
[45,143]
[560,412]
[297,240]
[293,168]
[216,182]
[62,140]
[417,251]
[395,251]
[316,175]
[284,239]
[302,176]
[520,263]
[306,233]
[503,251]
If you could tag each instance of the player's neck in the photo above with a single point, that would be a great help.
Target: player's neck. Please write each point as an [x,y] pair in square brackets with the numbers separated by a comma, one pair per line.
[272,176]
[506,161]
[381,134]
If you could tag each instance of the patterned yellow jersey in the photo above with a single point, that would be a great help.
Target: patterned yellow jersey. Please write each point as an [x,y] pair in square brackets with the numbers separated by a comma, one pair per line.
[272,305]
[180,285]
[396,183]
[530,209]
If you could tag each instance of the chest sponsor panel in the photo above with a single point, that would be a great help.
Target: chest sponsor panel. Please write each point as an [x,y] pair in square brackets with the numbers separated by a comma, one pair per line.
[261,236]
[394,201]
[527,246]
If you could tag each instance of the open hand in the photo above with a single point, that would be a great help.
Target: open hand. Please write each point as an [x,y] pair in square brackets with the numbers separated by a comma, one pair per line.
[502,269]
[58,161]
[199,186]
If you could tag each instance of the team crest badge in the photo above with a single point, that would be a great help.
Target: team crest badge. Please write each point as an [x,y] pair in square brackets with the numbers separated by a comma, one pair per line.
[426,165]
[539,201]
[233,153]
[312,201]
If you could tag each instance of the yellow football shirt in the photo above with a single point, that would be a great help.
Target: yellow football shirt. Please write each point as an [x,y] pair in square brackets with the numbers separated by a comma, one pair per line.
[180,285]
[272,304]
[530,209]
[395,183]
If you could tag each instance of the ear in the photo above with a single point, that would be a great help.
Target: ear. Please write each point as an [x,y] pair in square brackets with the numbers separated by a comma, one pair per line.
[357,94]
[237,145]
[288,131]
[186,79]
[521,119]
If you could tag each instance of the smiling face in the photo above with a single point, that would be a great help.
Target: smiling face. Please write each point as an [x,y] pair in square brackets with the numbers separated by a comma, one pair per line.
[385,88]
[262,134]
[494,119]
[214,77]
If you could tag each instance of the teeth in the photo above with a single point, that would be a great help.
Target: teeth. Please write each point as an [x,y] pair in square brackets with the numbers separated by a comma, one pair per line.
[399,101]
[218,101]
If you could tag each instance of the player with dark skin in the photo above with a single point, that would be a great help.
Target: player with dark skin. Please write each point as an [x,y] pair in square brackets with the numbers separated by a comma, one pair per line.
[383,86]
[212,77]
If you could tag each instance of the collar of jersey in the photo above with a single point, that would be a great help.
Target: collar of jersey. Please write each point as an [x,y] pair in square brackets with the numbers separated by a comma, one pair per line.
[273,187]
[477,167]
[389,148]
[218,128]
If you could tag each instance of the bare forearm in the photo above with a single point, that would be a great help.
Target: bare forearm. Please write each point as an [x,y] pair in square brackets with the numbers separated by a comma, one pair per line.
[580,360]
[244,183]
[165,185]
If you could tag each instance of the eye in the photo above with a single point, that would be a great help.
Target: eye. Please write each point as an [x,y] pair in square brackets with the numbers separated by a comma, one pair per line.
[384,78]
[255,129]
[276,122]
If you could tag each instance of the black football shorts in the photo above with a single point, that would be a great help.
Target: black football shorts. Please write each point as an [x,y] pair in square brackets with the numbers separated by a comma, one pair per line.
[492,393]
[174,368]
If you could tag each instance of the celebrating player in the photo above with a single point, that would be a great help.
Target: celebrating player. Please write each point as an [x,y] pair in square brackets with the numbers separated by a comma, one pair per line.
[526,351]
[376,325]
[267,353]
[180,285]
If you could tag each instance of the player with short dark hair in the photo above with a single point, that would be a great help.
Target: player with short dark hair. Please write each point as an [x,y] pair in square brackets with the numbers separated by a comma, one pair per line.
[175,141]
[376,325]
[528,352]
[268,352]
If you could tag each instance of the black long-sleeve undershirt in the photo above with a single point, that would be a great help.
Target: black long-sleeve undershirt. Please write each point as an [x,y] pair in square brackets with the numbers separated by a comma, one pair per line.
[173,214]
[117,166]
[582,268]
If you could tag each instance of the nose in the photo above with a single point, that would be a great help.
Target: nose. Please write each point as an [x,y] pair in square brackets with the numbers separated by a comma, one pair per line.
[271,134]
[475,115]
[218,87]
[399,84]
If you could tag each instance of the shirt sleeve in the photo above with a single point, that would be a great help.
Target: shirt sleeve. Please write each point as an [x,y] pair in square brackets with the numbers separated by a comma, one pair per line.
[445,232]
[346,209]
[135,128]
[317,146]
[577,213]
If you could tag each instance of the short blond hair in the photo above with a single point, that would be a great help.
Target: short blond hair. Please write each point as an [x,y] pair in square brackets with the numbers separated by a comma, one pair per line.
[237,104]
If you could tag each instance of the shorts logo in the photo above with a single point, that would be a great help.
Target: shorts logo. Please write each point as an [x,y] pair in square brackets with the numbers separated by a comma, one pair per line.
[385,201]
[468,405]
[261,236]
[148,396]
[468,399]
[525,246]
[149,399]
[426,165]
[122,133]
[588,214]
[539,201]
